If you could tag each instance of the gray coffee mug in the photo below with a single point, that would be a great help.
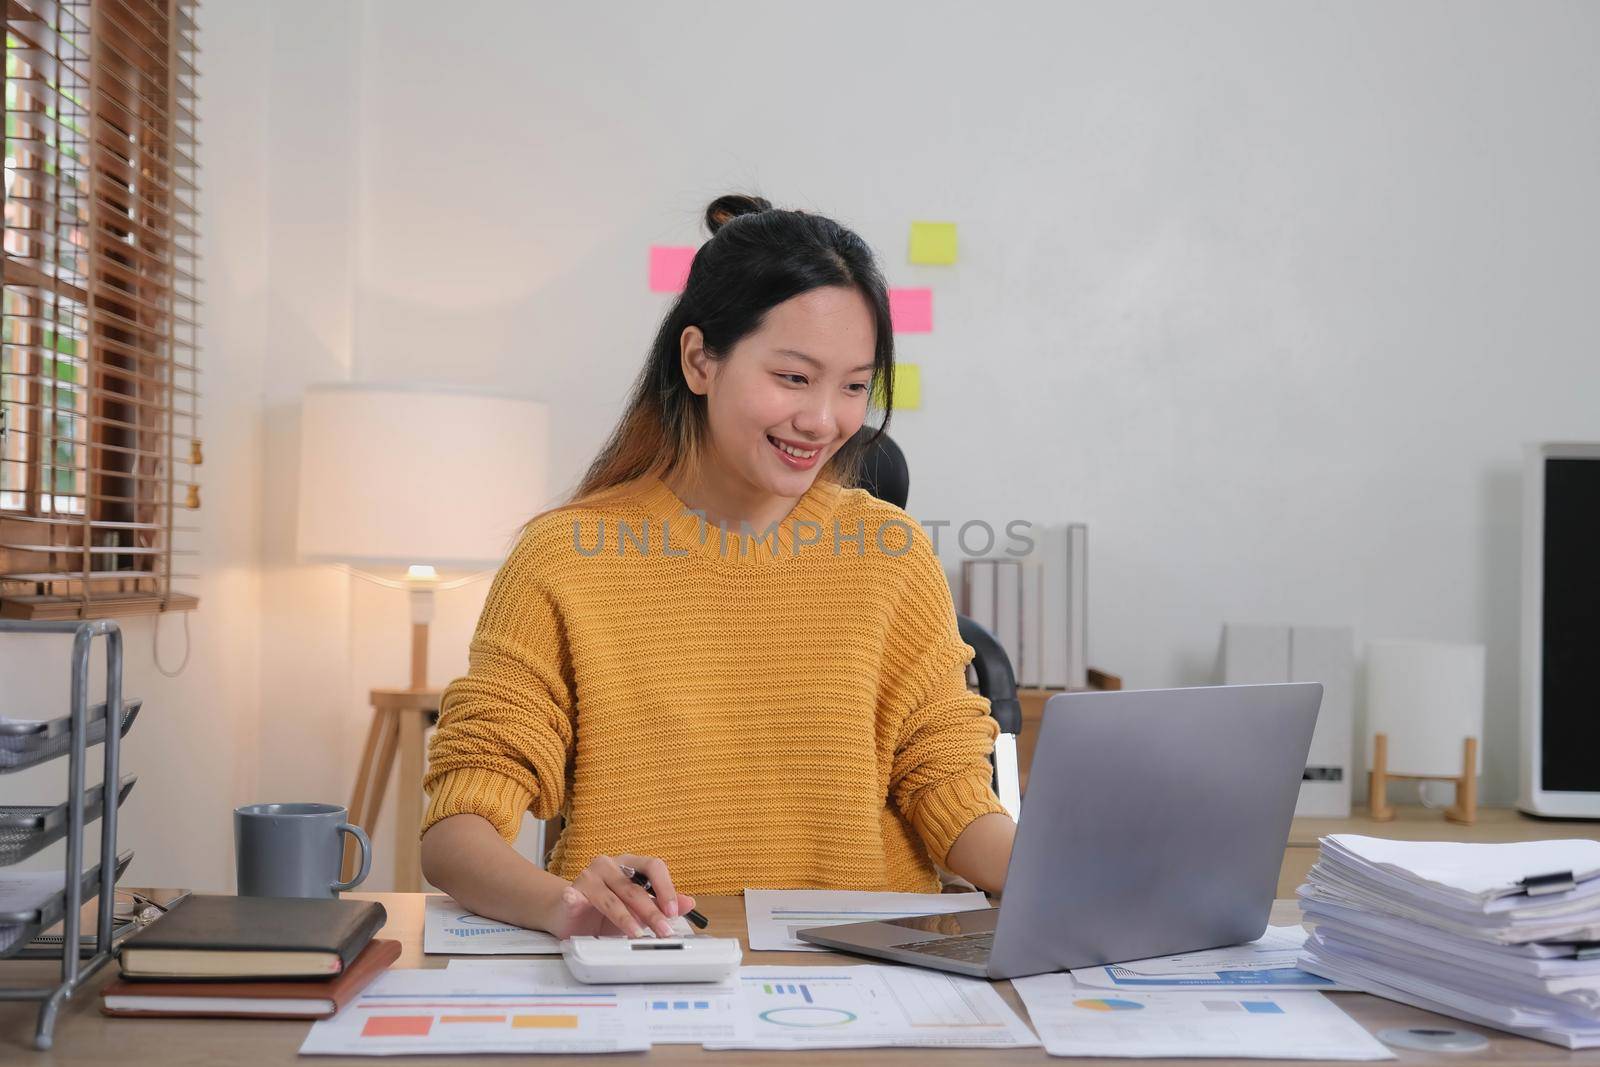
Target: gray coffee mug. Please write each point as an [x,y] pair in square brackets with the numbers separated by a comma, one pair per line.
[294,850]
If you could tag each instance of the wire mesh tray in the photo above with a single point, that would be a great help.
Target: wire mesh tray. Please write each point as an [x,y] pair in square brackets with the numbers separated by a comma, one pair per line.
[25,742]
[17,928]
[26,830]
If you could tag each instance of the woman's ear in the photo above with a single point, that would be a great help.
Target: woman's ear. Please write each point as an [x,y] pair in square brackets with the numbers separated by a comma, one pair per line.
[696,364]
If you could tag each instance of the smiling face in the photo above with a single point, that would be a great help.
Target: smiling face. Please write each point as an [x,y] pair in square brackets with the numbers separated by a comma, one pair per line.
[788,395]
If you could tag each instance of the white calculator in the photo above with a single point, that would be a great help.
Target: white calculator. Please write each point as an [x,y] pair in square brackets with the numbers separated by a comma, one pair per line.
[612,960]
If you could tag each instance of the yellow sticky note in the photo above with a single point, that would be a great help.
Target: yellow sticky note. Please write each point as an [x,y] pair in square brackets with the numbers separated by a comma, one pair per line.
[933,242]
[907,388]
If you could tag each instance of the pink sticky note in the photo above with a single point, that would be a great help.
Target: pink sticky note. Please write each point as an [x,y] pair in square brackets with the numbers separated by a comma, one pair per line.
[911,310]
[669,268]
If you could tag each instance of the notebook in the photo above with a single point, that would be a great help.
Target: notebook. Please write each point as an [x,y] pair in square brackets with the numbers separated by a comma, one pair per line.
[218,937]
[251,1000]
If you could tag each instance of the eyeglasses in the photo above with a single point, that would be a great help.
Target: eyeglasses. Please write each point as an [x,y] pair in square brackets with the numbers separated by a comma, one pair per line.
[132,906]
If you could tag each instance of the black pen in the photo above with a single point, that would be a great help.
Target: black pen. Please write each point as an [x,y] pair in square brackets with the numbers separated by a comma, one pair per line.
[640,880]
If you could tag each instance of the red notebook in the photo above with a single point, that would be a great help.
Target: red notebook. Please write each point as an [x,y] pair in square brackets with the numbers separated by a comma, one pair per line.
[250,1000]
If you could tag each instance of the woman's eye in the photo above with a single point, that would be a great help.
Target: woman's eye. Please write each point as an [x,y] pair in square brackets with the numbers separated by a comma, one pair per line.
[798,379]
[860,386]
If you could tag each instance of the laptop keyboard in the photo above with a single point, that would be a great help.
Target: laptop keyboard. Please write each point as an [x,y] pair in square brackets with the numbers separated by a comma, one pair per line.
[969,948]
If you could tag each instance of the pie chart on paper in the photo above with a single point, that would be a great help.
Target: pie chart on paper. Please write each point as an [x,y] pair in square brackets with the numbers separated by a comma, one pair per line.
[1107,1004]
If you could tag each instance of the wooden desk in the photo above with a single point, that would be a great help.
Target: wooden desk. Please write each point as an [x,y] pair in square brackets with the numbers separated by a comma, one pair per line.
[85,1037]
[1415,823]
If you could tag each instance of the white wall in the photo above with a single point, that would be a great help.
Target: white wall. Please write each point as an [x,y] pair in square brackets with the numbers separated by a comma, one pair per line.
[1268,294]
[326,639]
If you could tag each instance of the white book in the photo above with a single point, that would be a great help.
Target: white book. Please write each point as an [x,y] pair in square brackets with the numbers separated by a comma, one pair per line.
[1030,672]
[1326,654]
[1254,654]
[1052,550]
[1078,605]
[977,592]
[1008,609]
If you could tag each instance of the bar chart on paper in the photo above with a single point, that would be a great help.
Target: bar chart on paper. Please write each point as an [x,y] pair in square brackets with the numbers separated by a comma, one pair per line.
[675,1013]
[804,1014]
[444,1011]
[450,929]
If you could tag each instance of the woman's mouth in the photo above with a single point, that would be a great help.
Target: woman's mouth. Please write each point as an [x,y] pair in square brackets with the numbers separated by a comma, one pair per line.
[793,455]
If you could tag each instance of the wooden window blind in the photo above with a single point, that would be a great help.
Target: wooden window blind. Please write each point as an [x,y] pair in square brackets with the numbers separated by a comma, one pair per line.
[99,432]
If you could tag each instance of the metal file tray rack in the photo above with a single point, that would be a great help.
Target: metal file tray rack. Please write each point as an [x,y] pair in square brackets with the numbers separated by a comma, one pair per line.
[25,830]
[25,742]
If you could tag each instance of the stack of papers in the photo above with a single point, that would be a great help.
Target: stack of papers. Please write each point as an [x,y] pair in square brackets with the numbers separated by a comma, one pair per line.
[1505,935]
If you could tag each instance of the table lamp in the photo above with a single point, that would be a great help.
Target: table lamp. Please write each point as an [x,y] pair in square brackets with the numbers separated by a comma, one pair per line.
[408,487]
[1425,715]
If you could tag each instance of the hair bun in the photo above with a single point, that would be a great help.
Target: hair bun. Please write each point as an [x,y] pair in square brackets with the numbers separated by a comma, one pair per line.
[725,208]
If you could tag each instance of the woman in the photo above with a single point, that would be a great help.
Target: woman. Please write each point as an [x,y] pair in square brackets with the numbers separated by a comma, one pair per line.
[721,662]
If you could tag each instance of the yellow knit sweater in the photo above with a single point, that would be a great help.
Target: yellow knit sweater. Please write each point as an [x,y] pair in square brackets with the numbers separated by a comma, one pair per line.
[784,710]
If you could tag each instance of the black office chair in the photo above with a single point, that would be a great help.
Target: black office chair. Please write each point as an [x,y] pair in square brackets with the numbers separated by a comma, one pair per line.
[885,475]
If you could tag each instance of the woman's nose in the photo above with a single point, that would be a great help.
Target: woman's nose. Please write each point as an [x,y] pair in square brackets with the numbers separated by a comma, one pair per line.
[815,419]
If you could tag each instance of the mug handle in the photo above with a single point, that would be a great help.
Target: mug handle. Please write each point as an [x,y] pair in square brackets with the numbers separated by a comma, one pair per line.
[366,856]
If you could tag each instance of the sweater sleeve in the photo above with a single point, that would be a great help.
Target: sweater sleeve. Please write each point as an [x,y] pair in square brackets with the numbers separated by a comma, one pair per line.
[940,776]
[506,728]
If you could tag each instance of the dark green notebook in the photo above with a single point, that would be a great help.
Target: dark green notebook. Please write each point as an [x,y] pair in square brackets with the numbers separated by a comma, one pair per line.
[253,937]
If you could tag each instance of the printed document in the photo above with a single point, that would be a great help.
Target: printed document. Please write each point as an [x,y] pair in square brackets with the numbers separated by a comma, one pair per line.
[439,1011]
[675,1013]
[1264,965]
[1075,1021]
[796,1007]
[449,929]
[772,915]
[869,1007]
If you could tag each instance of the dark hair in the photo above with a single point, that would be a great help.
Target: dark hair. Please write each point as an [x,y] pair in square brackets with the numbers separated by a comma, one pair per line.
[758,257]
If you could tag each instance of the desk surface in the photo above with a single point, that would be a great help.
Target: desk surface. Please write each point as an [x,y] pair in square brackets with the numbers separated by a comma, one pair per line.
[84,1036]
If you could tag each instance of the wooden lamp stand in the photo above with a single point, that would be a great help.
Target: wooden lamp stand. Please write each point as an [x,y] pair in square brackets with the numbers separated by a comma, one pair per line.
[400,717]
[1465,809]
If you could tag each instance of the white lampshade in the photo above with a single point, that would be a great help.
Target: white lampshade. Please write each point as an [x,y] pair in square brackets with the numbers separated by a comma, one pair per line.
[392,477]
[1428,698]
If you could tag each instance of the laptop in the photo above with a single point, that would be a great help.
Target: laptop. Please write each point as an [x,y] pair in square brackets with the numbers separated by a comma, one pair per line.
[1154,823]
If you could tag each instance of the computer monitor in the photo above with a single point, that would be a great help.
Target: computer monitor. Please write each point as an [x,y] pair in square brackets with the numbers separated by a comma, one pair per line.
[1561,631]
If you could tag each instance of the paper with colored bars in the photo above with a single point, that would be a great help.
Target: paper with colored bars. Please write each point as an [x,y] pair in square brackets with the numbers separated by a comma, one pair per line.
[675,1013]
[871,1007]
[802,1007]
[437,1011]
[1075,1021]
[450,929]
[772,915]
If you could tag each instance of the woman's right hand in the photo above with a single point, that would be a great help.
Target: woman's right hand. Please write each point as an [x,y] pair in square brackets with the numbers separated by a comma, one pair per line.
[604,900]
